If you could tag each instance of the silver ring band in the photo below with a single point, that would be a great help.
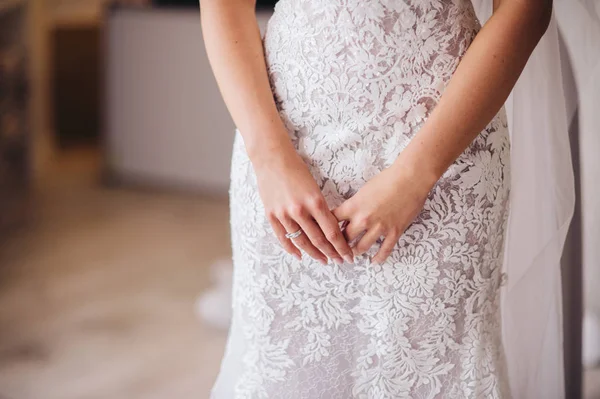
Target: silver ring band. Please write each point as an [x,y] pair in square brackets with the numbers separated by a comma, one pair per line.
[294,234]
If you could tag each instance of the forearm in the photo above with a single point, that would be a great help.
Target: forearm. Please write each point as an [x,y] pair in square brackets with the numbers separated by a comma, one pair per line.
[234,48]
[478,88]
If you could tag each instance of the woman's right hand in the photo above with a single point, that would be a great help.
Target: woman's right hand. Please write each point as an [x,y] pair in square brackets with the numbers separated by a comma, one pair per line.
[293,201]
[291,197]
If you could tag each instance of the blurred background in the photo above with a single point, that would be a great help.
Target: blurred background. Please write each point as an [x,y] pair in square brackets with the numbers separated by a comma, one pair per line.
[114,224]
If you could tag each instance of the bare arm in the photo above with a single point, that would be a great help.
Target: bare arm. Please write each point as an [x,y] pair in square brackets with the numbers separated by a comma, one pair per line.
[479,86]
[292,198]
[234,48]
[389,202]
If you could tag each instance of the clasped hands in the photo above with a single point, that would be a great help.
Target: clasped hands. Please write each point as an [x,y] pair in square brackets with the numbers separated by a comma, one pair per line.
[383,207]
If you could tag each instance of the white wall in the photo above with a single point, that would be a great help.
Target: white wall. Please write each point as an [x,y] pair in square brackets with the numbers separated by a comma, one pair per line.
[166,123]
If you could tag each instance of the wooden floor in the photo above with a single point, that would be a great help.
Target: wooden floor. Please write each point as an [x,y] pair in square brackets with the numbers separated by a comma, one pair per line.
[97,293]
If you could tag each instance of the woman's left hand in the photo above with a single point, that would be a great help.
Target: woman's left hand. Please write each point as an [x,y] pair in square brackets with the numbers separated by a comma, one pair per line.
[385,206]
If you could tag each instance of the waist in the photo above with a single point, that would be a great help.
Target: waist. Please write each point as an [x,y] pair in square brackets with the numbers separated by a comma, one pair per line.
[372,64]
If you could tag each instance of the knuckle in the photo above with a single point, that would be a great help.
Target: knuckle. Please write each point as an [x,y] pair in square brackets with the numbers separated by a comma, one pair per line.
[271,214]
[296,209]
[320,241]
[363,221]
[308,247]
[361,247]
[278,214]
[314,253]
[379,227]
[333,235]
[329,250]
[301,241]
[316,201]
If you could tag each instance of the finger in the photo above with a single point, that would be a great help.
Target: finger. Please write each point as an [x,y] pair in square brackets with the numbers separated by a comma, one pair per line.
[386,248]
[367,241]
[286,243]
[354,229]
[331,229]
[342,212]
[317,238]
[302,241]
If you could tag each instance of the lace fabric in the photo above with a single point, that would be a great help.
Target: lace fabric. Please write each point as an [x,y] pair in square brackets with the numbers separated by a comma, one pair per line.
[354,81]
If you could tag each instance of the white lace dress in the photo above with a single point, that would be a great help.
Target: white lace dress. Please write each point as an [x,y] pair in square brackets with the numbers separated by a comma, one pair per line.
[354,81]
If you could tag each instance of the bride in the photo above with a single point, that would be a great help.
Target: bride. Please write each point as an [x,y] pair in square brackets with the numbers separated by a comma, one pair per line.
[369,194]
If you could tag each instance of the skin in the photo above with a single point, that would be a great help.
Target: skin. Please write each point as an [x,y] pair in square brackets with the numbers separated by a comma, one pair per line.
[389,202]
[291,197]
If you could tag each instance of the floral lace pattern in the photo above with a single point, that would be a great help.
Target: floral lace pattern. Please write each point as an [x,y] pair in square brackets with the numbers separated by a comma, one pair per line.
[354,80]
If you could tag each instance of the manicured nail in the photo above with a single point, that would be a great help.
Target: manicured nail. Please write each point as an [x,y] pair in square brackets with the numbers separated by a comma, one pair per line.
[338,261]
[349,259]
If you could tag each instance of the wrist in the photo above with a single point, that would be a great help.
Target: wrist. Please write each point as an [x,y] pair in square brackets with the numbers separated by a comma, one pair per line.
[421,174]
[270,151]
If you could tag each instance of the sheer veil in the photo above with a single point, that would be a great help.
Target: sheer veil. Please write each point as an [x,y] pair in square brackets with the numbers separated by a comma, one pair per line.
[542,202]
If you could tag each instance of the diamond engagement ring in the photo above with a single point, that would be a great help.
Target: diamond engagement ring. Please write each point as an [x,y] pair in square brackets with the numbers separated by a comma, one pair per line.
[294,234]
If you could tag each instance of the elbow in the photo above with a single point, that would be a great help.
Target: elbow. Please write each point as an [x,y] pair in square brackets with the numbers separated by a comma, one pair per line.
[541,15]
[536,14]
[545,16]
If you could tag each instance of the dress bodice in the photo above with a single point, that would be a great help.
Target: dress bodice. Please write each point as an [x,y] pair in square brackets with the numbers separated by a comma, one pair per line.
[349,69]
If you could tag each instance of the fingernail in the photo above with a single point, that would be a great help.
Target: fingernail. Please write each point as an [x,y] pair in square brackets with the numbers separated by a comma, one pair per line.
[349,259]
[338,261]
[299,257]
[323,261]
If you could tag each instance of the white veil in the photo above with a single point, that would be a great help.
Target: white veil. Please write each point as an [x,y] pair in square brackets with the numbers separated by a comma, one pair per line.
[541,207]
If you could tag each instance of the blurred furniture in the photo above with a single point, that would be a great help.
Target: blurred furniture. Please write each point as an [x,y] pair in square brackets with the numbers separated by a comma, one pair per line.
[166,124]
[76,62]
[14,115]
